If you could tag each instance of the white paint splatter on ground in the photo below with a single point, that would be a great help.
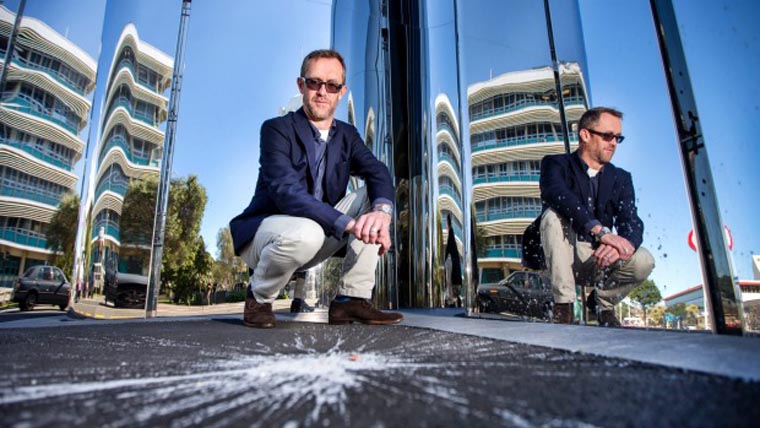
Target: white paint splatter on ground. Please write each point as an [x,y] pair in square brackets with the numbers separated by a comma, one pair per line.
[262,384]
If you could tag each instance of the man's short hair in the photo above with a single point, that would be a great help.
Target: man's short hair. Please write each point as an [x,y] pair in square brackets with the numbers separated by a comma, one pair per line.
[592,115]
[323,53]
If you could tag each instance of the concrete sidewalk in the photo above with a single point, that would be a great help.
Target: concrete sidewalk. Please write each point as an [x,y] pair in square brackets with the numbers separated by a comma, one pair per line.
[97,309]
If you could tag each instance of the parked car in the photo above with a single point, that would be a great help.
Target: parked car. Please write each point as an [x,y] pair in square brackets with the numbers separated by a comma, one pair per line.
[41,285]
[126,290]
[521,293]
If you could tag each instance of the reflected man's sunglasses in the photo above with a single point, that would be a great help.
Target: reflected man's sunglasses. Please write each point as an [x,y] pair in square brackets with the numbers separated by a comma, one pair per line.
[607,136]
[316,84]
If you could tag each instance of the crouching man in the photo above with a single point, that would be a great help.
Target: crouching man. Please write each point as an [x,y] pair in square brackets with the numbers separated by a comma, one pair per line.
[585,198]
[300,214]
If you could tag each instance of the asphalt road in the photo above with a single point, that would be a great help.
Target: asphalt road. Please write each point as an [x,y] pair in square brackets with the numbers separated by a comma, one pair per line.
[217,373]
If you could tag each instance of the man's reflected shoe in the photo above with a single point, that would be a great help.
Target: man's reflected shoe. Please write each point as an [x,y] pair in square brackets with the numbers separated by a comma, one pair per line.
[258,315]
[360,310]
[300,305]
[608,319]
[563,313]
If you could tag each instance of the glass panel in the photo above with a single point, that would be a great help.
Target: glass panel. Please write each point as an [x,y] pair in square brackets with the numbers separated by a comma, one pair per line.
[242,62]
[126,146]
[719,39]
[45,118]
[627,74]
[446,153]
[513,122]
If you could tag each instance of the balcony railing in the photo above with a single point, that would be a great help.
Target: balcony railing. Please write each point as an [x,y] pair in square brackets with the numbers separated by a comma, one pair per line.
[39,154]
[110,228]
[519,141]
[512,253]
[125,102]
[451,191]
[25,104]
[55,74]
[506,178]
[118,141]
[23,237]
[507,215]
[31,194]
[128,64]
[119,188]
[444,156]
[523,104]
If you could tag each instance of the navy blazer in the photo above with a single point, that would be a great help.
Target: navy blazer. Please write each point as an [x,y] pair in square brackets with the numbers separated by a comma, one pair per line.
[286,179]
[565,186]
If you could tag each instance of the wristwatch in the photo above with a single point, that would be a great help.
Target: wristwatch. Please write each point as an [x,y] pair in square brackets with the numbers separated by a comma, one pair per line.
[598,235]
[386,208]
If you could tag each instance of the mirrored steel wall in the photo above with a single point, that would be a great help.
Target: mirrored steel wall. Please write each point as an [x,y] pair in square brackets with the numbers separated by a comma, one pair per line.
[46,119]
[126,148]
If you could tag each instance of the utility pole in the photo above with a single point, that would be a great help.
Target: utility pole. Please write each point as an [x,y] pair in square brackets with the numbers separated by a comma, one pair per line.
[162,200]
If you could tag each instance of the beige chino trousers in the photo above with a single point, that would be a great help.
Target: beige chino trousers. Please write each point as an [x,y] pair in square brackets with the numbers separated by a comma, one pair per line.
[284,244]
[569,262]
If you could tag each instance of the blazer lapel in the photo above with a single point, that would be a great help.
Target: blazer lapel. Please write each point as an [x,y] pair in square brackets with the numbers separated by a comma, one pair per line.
[306,137]
[606,183]
[581,177]
[334,148]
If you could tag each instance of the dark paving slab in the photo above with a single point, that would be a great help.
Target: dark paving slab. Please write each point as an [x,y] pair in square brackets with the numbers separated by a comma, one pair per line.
[217,373]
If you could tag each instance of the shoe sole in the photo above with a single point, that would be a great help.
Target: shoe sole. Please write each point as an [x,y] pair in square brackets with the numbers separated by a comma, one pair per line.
[258,324]
[368,322]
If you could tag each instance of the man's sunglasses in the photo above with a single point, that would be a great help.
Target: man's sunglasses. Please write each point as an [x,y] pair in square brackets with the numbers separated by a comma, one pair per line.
[315,85]
[607,136]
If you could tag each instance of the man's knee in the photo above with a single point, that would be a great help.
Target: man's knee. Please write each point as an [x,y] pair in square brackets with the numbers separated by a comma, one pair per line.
[298,239]
[550,220]
[642,264]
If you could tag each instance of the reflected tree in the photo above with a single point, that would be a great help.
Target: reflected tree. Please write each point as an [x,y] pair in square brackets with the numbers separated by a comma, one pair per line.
[656,316]
[646,294]
[61,232]
[228,268]
[136,226]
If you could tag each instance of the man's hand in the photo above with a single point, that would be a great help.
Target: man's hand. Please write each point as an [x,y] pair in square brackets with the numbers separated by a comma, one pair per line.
[606,255]
[372,228]
[624,248]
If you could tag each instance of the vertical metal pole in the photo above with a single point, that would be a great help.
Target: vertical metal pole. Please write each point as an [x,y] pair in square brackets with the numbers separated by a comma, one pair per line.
[723,296]
[162,200]
[11,45]
[557,81]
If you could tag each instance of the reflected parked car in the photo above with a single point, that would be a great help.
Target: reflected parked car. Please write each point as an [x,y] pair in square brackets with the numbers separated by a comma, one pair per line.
[125,290]
[521,293]
[41,285]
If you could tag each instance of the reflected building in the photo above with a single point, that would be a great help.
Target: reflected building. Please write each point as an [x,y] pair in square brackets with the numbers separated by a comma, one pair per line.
[130,148]
[45,105]
[514,123]
[450,206]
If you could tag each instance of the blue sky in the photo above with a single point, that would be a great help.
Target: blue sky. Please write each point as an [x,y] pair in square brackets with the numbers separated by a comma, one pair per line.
[243,58]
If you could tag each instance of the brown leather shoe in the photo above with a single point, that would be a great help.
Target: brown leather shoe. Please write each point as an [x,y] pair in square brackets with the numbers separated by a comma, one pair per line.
[360,310]
[563,313]
[608,319]
[258,315]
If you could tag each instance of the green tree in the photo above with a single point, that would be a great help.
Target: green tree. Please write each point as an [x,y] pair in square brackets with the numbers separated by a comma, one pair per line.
[229,268]
[62,232]
[646,294]
[187,201]
[693,314]
[657,316]
[192,278]
[138,211]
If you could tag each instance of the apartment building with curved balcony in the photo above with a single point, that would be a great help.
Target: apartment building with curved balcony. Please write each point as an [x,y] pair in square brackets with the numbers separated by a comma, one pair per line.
[131,141]
[514,123]
[44,107]
[449,170]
